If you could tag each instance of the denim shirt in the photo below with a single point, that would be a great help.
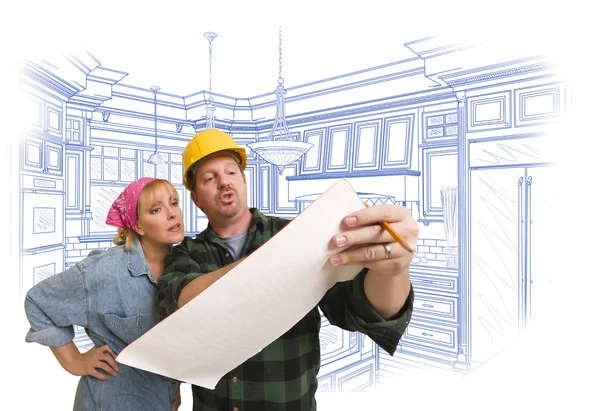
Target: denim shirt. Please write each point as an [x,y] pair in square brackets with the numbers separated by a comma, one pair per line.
[113,296]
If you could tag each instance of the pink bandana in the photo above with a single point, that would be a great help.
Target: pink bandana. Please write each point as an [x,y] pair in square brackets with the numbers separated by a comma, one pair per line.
[122,213]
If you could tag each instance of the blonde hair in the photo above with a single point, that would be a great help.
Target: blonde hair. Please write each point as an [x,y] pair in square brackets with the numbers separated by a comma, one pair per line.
[126,235]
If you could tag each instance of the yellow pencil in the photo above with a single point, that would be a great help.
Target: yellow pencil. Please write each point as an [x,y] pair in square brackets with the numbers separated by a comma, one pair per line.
[394,234]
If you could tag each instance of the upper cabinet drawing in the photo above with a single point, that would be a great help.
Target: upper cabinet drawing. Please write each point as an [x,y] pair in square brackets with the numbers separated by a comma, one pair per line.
[438,160]
[43,146]
[380,144]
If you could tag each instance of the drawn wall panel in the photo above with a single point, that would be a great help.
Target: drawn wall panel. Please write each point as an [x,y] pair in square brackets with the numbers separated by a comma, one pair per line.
[489,112]
[250,173]
[312,162]
[365,153]
[338,148]
[397,141]
[284,204]
[539,104]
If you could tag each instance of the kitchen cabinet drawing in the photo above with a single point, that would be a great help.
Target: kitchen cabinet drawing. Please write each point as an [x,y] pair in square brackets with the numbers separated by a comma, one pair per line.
[455,137]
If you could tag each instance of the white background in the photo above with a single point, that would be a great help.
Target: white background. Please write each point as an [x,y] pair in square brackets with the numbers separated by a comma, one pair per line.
[162,43]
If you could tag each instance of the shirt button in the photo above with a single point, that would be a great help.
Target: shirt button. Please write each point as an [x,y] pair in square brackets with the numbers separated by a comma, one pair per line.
[227,255]
[234,379]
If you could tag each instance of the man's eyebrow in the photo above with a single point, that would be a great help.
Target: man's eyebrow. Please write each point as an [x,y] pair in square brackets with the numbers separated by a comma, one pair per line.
[213,171]
[231,164]
[209,171]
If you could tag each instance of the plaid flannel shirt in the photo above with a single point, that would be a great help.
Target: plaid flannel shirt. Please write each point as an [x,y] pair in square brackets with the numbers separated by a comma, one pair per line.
[283,376]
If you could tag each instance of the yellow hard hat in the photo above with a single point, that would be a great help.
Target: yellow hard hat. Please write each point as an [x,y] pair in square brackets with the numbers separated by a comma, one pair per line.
[205,143]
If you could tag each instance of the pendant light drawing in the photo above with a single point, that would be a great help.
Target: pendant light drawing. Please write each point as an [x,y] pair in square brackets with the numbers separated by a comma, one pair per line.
[279,147]
[210,108]
[156,157]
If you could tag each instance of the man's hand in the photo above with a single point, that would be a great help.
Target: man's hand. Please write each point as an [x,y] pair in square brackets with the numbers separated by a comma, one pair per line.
[369,241]
[89,362]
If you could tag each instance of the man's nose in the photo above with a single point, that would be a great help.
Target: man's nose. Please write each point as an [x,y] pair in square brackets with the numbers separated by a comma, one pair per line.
[224,181]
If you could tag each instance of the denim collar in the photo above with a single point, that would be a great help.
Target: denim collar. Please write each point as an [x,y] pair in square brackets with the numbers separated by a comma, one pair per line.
[136,261]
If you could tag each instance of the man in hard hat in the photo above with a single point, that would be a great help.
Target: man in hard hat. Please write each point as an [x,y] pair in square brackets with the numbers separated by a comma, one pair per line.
[283,376]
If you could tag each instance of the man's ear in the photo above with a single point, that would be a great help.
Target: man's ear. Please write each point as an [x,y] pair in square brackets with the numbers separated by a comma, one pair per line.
[196,200]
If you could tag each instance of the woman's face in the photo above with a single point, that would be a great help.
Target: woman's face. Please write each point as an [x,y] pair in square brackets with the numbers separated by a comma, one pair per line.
[160,218]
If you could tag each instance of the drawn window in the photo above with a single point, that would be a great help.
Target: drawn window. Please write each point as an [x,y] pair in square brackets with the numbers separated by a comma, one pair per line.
[113,168]
[113,164]
[172,170]
[73,129]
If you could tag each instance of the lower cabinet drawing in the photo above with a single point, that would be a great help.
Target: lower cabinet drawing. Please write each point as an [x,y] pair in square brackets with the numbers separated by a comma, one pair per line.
[347,360]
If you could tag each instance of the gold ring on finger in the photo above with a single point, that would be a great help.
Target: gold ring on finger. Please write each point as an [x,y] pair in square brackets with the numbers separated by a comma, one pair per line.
[388,250]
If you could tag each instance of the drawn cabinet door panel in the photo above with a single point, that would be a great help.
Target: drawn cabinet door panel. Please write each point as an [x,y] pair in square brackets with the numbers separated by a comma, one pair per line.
[439,169]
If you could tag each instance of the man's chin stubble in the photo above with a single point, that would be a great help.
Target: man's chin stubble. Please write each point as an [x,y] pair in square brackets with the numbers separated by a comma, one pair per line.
[230,214]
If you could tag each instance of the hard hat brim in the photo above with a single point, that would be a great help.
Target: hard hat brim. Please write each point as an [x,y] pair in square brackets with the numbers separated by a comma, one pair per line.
[238,154]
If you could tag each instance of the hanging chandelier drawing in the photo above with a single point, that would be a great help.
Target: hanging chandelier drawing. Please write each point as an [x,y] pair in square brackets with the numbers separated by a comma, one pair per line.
[210,108]
[156,158]
[280,148]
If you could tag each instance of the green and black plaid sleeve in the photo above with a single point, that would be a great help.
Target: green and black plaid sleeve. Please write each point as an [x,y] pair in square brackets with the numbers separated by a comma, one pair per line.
[186,262]
[346,306]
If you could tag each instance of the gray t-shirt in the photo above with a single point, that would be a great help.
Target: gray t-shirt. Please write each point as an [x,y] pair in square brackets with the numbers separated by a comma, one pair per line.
[235,243]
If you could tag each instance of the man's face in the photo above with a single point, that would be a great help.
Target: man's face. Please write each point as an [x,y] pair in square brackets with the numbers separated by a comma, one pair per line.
[221,191]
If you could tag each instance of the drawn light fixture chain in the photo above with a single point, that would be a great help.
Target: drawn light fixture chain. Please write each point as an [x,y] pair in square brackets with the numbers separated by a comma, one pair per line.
[279,147]
[210,108]
[156,157]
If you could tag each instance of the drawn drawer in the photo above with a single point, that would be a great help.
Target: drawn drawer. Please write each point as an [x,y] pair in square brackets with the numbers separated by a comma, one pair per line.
[430,283]
[431,335]
[357,377]
[435,307]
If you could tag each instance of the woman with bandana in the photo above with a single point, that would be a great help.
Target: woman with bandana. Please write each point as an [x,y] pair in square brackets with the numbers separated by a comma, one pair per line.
[112,294]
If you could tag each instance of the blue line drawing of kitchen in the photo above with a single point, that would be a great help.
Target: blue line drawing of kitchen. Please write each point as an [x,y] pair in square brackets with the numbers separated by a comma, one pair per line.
[457,136]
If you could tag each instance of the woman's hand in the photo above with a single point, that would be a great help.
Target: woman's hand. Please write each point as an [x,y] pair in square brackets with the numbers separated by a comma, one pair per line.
[88,363]
[177,402]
